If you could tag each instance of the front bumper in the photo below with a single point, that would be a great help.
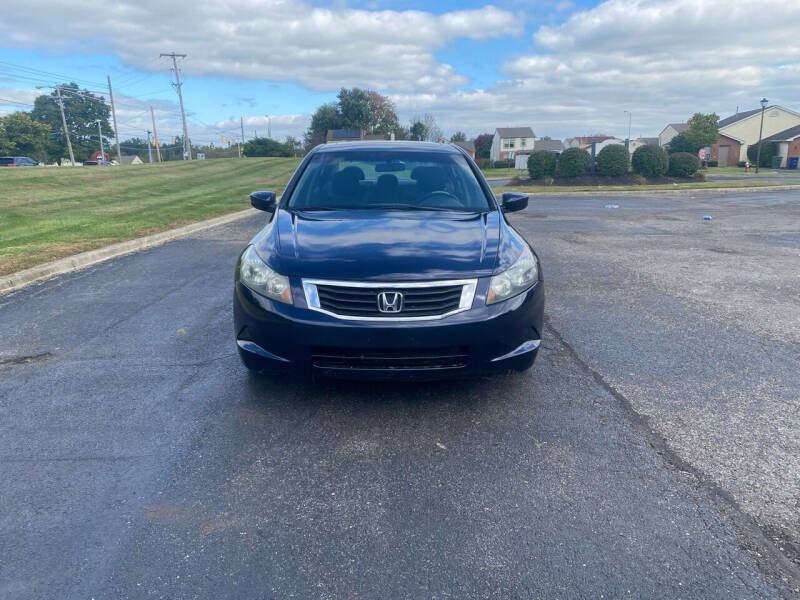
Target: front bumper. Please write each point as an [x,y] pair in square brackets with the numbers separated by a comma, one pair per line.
[483,340]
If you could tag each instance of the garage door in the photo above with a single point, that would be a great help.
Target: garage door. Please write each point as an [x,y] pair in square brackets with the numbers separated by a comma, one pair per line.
[724,152]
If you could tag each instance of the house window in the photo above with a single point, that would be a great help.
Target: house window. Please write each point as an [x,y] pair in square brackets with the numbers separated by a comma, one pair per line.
[522,142]
[508,143]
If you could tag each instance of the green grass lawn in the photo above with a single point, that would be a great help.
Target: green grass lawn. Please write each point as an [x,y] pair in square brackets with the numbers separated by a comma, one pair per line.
[699,185]
[498,173]
[48,213]
[762,171]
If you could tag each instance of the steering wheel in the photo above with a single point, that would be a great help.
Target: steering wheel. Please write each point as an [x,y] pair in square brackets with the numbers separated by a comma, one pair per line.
[435,198]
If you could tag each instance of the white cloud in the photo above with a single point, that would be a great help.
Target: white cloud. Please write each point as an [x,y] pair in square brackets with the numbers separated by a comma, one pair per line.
[662,60]
[320,48]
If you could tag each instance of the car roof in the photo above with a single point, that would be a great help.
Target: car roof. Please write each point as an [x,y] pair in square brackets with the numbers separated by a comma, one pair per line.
[389,145]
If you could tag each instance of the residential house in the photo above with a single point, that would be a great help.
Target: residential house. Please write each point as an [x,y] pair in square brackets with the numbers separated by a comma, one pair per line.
[130,160]
[639,142]
[670,131]
[788,142]
[521,157]
[741,130]
[586,142]
[507,141]
[468,147]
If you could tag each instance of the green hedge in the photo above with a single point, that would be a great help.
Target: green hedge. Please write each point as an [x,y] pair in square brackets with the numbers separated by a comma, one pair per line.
[613,159]
[542,163]
[768,150]
[683,164]
[573,162]
[650,161]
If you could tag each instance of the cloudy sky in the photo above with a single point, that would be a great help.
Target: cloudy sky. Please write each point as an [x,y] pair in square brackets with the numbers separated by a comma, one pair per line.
[564,67]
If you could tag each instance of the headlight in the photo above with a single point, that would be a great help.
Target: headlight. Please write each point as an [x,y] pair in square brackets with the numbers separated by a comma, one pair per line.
[256,275]
[517,278]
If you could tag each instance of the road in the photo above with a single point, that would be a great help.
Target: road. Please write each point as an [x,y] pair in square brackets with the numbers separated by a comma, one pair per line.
[652,451]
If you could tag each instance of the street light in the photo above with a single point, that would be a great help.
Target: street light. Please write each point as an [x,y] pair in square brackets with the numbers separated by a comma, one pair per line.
[100,134]
[269,126]
[764,103]
[628,141]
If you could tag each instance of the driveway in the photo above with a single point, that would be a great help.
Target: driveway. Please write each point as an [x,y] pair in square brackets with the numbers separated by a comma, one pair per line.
[651,452]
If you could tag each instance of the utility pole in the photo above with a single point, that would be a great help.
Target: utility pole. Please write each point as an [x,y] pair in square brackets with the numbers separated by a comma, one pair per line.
[64,123]
[114,115]
[241,123]
[187,147]
[149,147]
[269,126]
[100,134]
[628,141]
[155,134]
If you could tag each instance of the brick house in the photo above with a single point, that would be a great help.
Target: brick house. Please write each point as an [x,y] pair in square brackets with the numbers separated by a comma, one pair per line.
[727,151]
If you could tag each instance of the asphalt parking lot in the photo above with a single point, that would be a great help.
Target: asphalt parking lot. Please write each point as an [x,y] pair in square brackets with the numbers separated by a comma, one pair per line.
[653,451]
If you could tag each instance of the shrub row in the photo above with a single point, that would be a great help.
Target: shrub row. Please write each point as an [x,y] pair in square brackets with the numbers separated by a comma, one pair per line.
[612,160]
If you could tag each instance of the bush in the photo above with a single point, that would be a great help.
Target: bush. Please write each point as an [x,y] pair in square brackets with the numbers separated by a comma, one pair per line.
[768,150]
[504,164]
[484,163]
[713,163]
[573,162]
[650,161]
[680,144]
[683,164]
[542,163]
[613,160]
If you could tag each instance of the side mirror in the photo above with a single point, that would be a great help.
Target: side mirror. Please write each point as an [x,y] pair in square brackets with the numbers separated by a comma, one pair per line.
[263,201]
[513,202]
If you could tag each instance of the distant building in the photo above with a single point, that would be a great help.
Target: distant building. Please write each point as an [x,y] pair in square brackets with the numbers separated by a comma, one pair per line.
[521,157]
[670,131]
[788,142]
[507,141]
[586,142]
[350,135]
[639,142]
[468,146]
[130,160]
[741,130]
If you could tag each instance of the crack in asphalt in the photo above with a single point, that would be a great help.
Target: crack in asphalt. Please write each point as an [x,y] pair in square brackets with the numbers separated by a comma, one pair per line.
[22,360]
[771,560]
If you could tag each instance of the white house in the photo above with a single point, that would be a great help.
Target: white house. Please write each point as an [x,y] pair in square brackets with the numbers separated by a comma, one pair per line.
[670,131]
[508,141]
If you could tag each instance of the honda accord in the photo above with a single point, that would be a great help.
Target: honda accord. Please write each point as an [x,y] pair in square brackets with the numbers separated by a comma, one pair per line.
[388,260]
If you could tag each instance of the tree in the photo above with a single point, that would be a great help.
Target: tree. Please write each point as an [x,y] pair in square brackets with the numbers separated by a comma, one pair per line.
[266,147]
[680,144]
[82,110]
[138,146]
[324,118]
[683,164]
[434,133]
[6,146]
[483,145]
[613,160]
[458,136]
[768,150]
[364,110]
[703,130]
[25,136]
[293,144]
[573,162]
[650,161]
[542,163]
[417,132]
[545,138]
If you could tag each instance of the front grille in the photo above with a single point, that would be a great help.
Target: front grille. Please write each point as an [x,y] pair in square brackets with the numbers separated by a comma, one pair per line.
[452,357]
[363,301]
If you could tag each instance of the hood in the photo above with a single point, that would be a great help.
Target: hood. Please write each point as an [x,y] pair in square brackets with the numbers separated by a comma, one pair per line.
[386,245]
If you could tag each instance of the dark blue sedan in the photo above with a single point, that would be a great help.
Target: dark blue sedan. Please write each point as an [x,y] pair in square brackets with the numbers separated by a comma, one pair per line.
[388,260]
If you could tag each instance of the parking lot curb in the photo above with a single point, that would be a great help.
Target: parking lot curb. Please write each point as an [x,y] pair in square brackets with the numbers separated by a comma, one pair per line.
[764,188]
[20,279]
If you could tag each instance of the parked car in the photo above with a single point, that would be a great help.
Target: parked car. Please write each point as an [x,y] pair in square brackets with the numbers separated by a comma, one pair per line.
[96,163]
[18,161]
[388,260]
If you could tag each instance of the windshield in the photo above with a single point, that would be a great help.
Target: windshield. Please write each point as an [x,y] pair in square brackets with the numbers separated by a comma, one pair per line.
[388,179]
